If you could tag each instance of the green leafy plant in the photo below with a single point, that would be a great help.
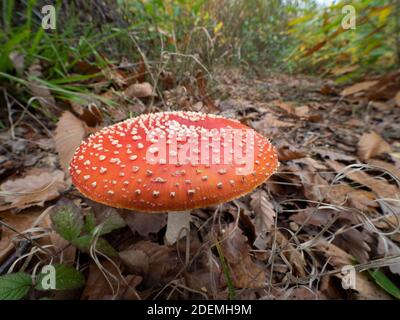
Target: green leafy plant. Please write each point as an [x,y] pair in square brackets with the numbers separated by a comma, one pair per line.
[84,233]
[15,286]
[67,278]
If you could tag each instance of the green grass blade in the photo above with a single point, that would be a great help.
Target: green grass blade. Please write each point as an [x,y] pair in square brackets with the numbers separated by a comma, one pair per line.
[8,9]
[384,282]
[227,272]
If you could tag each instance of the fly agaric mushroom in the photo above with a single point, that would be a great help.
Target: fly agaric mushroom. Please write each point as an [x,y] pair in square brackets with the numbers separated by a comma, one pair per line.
[172,161]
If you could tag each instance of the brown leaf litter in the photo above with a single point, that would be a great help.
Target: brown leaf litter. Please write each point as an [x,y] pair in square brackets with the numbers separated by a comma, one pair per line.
[287,239]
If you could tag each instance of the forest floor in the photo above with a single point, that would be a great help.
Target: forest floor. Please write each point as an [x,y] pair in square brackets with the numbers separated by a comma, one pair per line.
[334,201]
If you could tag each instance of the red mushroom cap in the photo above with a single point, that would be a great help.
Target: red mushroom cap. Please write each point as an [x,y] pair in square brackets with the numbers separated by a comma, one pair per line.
[172,161]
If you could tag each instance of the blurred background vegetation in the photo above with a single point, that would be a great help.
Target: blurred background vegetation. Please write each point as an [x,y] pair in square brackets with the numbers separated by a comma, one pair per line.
[186,35]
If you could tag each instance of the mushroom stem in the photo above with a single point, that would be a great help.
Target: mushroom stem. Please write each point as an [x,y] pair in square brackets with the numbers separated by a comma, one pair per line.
[178,225]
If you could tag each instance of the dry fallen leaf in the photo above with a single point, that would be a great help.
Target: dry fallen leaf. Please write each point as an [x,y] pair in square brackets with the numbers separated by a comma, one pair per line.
[248,274]
[19,222]
[367,289]
[393,169]
[302,111]
[286,153]
[340,194]
[139,90]
[264,216]
[387,87]
[329,287]
[90,113]
[99,288]
[245,272]
[334,155]
[39,90]
[395,156]
[293,256]
[313,164]
[143,223]
[337,71]
[313,216]
[32,190]
[271,121]
[69,134]
[355,243]
[135,261]
[380,187]
[371,145]
[157,264]
[203,280]
[355,88]
[397,99]
[291,109]
[338,258]
[285,106]
[314,185]
[270,125]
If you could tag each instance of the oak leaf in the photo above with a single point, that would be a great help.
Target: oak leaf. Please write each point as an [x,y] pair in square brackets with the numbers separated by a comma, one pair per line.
[371,145]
